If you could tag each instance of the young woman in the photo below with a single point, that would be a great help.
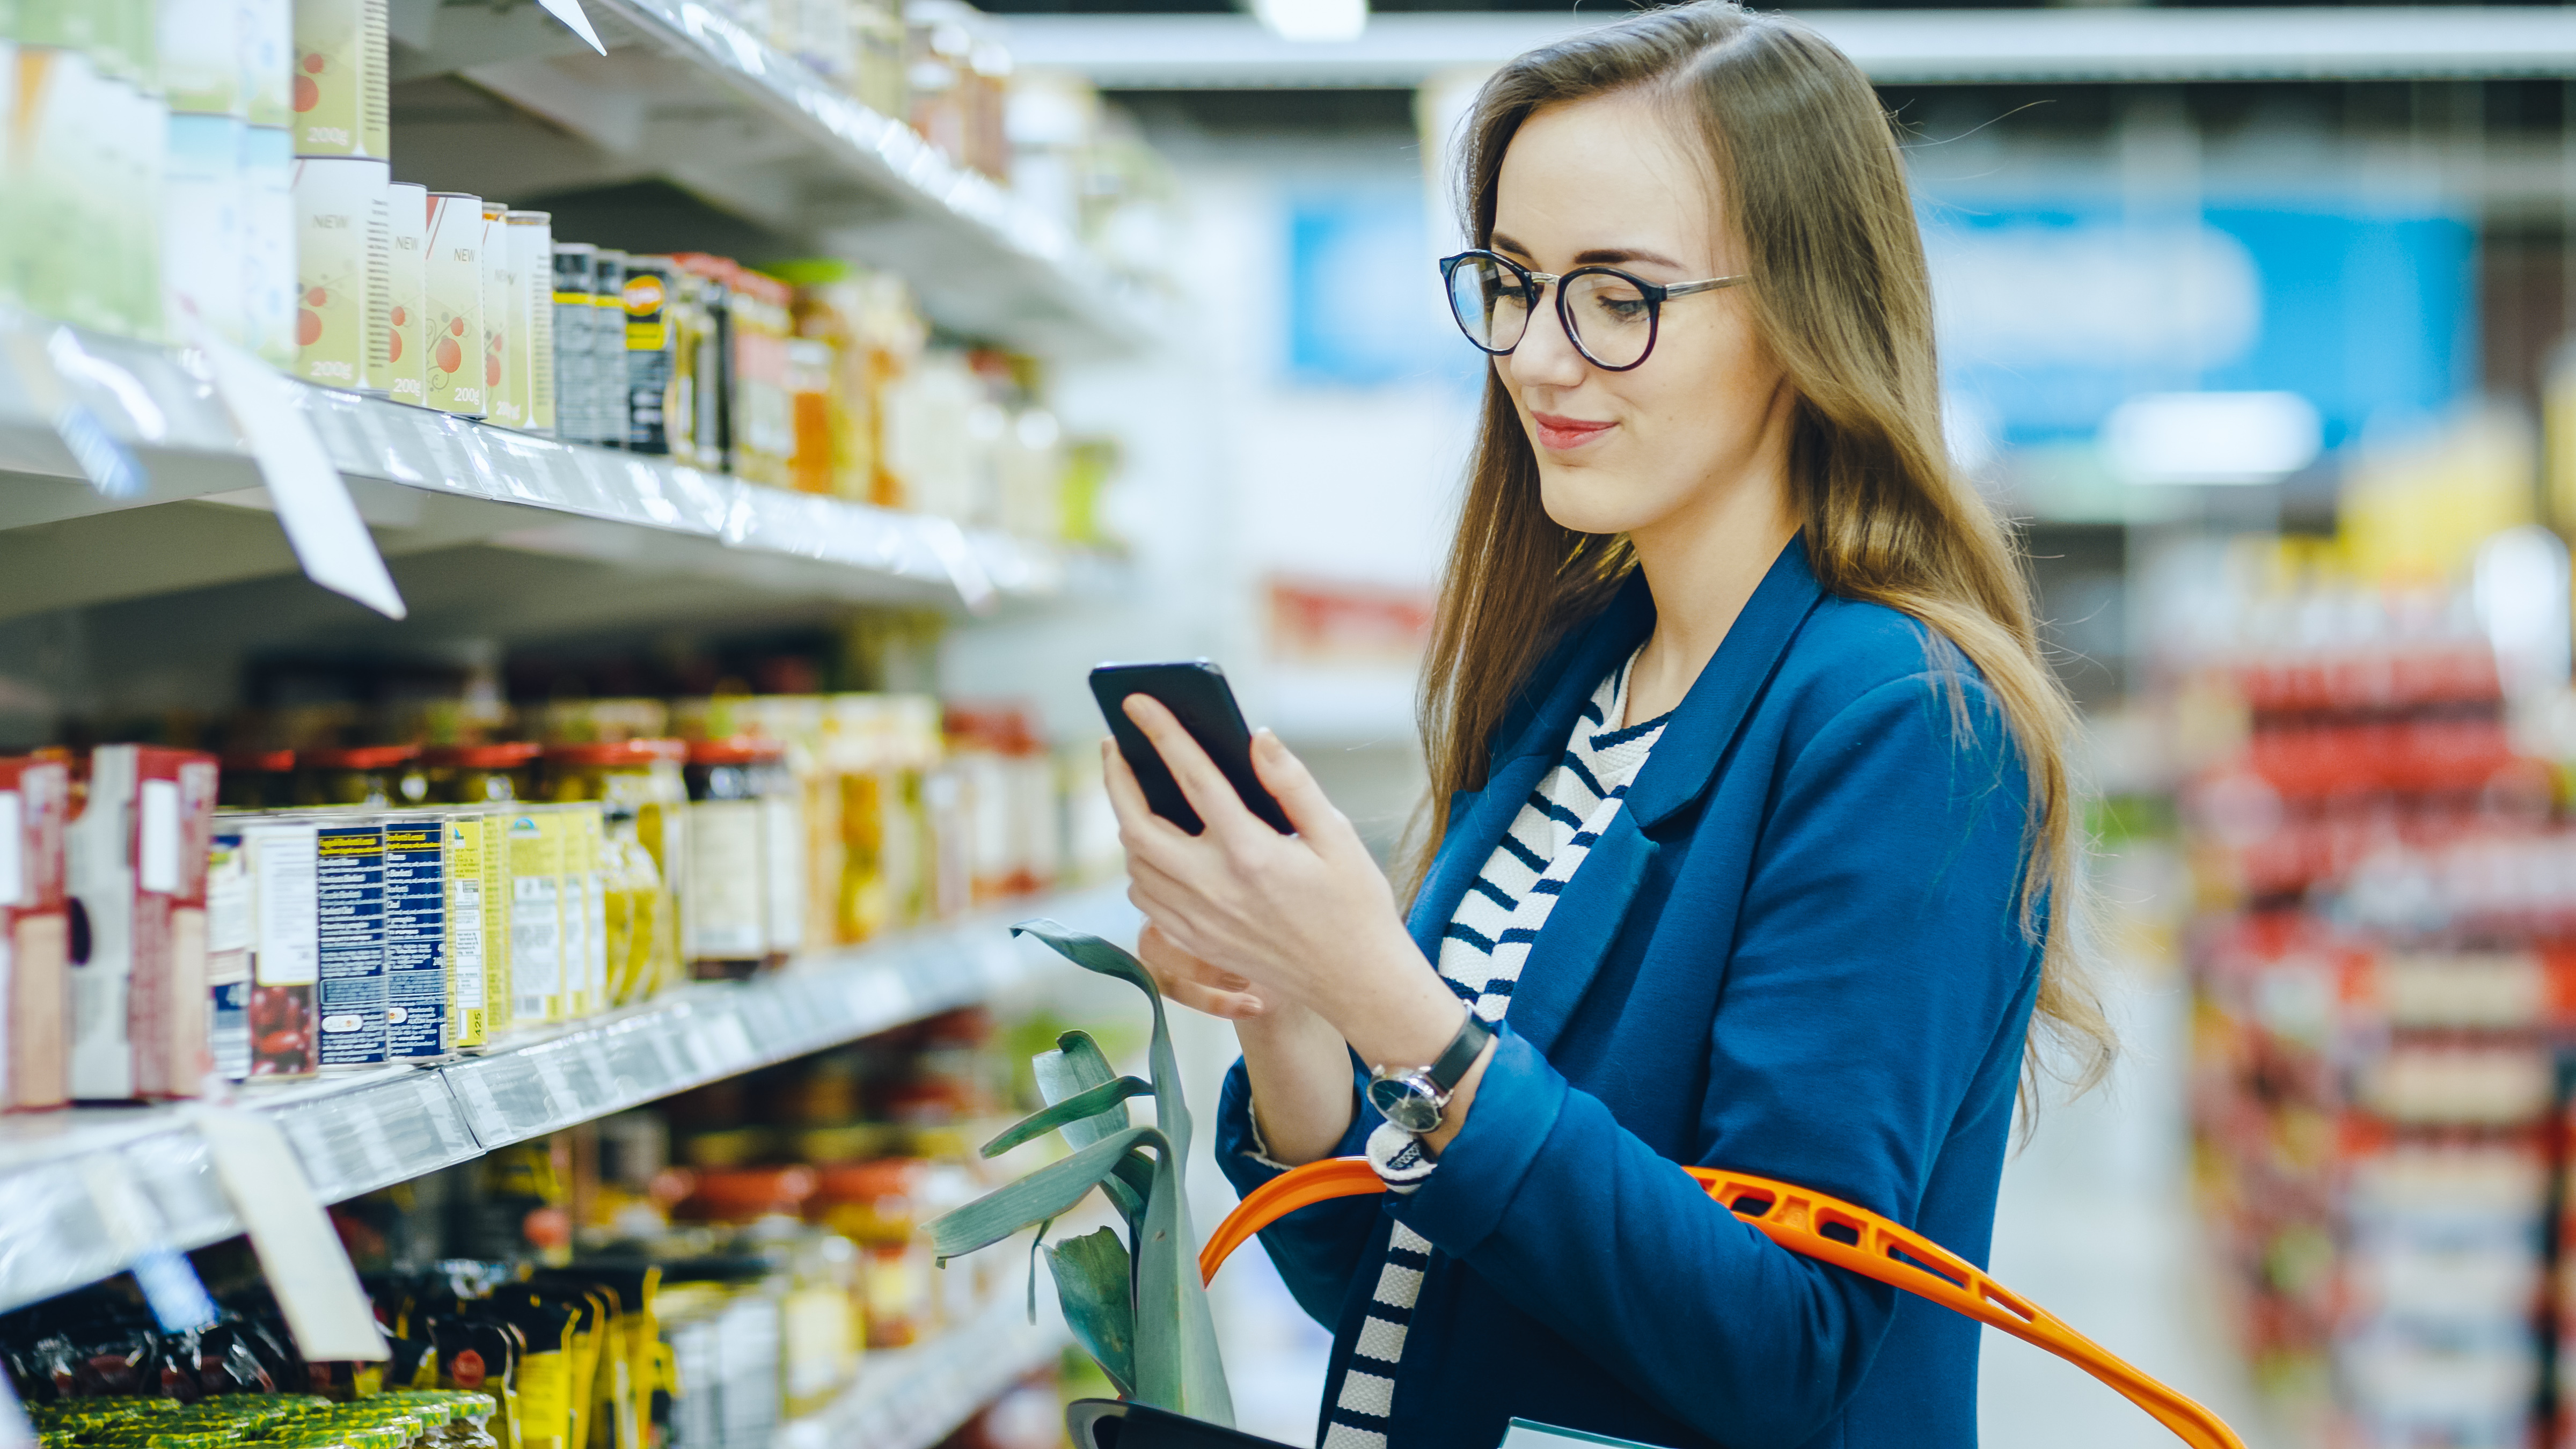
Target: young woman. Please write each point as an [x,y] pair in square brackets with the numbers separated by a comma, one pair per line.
[1756,848]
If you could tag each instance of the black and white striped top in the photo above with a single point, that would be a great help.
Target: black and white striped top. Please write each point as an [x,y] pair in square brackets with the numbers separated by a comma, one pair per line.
[1480,957]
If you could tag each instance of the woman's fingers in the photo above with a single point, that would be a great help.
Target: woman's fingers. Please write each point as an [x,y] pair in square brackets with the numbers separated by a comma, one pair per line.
[1293,785]
[1209,792]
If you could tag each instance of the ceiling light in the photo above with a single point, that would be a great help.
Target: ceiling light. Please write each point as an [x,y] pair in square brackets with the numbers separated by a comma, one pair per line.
[1313,19]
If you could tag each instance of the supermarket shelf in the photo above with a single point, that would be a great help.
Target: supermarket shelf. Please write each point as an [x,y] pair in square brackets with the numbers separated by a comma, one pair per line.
[84,1193]
[689,96]
[2114,44]
[429,483]
[911,1398]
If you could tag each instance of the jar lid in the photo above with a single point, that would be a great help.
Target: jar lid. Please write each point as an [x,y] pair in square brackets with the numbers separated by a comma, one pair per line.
[740,750]
[632,753]
[506,755]
[363,757]
[272,762]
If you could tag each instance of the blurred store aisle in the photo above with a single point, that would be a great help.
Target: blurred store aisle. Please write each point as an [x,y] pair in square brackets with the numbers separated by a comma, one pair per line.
[2095,1224]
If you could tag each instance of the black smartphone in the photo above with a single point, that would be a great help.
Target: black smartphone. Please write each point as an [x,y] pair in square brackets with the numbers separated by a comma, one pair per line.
[1196,693]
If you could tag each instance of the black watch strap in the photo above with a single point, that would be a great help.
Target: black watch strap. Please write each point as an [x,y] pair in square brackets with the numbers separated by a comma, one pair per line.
[1462,1052]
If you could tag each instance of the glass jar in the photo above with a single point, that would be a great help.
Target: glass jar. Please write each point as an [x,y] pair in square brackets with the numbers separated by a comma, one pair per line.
[383,776]
[643,781]
[725,904]
[481,774]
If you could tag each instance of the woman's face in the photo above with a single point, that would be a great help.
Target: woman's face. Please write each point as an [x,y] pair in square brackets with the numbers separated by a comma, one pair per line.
[1610,180]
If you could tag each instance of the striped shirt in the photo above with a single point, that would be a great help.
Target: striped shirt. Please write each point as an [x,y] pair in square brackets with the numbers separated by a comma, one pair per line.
[1480,958]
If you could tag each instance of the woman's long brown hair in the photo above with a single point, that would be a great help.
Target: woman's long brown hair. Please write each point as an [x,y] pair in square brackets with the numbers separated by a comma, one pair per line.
[1809,174]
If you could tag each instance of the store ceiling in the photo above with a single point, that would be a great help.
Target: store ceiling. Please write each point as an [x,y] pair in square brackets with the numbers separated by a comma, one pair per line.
[1403,47]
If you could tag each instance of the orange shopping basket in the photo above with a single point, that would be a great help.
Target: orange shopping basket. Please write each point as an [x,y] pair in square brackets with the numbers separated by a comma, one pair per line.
[1800,1221]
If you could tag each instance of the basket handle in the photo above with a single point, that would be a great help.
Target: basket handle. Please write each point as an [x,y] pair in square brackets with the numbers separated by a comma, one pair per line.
[1815,1226]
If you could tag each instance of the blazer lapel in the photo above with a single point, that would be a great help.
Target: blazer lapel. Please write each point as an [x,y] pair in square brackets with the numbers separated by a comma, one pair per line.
[1579,932]
[1686,755]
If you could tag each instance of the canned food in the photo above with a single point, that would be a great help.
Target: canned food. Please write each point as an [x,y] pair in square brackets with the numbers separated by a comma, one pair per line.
[532,357]
[268,276]
[343,79]
[407,364]
[608,399]
[340,232]
[505,324]
[453,278]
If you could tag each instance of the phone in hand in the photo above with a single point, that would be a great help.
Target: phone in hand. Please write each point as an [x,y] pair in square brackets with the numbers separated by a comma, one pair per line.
[1196,692]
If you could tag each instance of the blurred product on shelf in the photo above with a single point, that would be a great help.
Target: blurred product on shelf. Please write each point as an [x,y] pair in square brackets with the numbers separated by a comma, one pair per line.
[35,933]
[135,852]
[691,1275]
[2386,983]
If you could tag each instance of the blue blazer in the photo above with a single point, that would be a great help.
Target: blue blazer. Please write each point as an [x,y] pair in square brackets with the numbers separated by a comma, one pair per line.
[1798,951]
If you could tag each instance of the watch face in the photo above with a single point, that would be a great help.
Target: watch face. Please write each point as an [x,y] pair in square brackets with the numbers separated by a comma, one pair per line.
[1406,1101]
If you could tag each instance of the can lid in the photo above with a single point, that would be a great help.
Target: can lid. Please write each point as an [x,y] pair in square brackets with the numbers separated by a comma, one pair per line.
[363,757]
[740,750]
[503,755]
[531,218]
[618,752]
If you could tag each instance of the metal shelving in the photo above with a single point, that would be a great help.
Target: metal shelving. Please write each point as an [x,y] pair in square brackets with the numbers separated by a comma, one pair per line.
[430,484]
[85,1193]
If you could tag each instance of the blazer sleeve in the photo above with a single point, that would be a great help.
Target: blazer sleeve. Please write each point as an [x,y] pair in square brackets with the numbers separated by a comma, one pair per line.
[1317,1249]
[1877,959]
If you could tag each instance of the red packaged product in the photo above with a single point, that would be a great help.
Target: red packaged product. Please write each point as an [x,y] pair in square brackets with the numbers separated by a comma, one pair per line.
[35,935]
[137,858]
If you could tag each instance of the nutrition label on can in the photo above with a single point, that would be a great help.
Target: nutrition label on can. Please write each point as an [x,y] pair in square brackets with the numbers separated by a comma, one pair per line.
[350,929]
[415,940]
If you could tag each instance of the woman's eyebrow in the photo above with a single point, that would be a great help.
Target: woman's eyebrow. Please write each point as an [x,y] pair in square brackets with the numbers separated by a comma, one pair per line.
[1606,256]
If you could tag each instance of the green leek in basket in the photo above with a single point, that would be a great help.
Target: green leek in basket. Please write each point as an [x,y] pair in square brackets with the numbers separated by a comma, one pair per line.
[1136,1305]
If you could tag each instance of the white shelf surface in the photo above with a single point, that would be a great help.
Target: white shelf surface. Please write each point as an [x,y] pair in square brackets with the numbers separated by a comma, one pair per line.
[427,482]
[912,1398]
[85,1192]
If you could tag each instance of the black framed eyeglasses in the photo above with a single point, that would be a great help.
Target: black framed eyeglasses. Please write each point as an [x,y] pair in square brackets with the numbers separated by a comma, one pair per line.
[1611,316]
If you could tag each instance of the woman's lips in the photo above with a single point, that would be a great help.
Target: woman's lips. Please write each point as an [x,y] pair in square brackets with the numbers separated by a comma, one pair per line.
[1558,434]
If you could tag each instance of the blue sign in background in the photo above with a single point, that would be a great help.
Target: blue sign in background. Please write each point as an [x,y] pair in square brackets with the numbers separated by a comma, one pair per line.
[2053,313]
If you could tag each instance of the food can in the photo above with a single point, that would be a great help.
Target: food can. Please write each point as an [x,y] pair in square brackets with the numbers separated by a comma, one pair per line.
[725,912]
[608,348]
[415,934]
[200,44]
[536,846]
[505,324]
[343,79]
[349,937]
[228,951]
[532,248]
[340,224]
[203,225]
[453,277]
[267,58]
[592,825]
[268,296]
[576,266]
[282,864]
[406,335]
[60,168]
[651,349]
[466,922]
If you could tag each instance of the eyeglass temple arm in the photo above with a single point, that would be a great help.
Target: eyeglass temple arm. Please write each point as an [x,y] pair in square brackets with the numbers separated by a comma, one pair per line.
[1684,289]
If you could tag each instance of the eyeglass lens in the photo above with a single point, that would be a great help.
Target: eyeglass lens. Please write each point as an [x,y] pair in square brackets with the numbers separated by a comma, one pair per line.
[1612,321]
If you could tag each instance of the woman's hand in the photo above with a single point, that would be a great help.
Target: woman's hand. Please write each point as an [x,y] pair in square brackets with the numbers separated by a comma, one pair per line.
[1254,923]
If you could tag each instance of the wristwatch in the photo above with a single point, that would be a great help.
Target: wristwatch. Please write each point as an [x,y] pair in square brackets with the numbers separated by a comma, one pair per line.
[1415,1098]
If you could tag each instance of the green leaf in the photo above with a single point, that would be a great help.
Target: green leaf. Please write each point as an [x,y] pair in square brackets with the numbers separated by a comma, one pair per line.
[1077,1065]
[1177,1366]
[1046,1193]
[1037,1240]
[1095,1283]
[1133,1180]
[1109,1099]
[1094,954]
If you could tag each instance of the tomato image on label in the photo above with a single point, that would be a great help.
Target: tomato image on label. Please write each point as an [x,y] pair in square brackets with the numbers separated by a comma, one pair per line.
[308,91]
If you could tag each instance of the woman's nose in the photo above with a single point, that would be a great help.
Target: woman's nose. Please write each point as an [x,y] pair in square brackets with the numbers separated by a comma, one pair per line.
[1546,356]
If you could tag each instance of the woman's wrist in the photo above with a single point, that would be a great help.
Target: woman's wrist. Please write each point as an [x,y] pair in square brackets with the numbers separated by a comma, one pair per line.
[1399,1012]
